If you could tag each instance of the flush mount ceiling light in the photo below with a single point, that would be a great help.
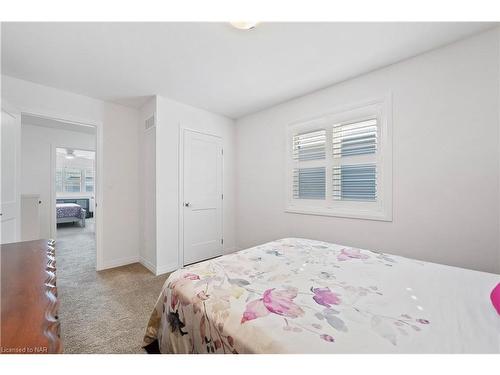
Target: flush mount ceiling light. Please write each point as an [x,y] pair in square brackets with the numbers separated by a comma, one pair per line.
[244,25]
[70,154]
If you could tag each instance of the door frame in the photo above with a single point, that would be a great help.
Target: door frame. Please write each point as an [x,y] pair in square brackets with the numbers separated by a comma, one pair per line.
[182,131]
[15,113]
[98,195]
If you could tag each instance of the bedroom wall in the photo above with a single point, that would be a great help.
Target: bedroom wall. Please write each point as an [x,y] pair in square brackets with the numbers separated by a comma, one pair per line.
[171,116]
[36,161]
[120,219]
[445,160]
[147,187]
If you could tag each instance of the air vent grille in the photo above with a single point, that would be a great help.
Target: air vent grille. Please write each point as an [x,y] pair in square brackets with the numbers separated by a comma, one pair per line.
[150,122]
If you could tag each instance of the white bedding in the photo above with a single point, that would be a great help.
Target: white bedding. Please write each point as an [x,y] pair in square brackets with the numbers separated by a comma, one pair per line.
[304,296]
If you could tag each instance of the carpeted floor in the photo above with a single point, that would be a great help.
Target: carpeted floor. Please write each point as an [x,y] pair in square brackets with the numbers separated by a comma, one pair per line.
[100,312]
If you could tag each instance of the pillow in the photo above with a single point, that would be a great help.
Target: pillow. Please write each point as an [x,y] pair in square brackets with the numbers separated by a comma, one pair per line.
[495,297]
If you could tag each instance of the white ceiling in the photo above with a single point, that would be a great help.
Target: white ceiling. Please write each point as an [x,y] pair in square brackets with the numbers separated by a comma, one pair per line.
[212,65]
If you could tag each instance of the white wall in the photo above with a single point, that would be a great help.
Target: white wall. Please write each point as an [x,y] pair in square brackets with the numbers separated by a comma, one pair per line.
[147,187]
[119,240]
[171,116]
[445,160]
[120,180]
[37,145]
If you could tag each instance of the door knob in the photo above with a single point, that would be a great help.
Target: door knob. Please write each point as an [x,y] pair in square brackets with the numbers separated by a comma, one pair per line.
[187,204]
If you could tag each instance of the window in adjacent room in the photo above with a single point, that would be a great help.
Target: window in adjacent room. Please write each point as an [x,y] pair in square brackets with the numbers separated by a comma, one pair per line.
[341,164]
[89,180]
[72,180]
[59,180]
[75,173]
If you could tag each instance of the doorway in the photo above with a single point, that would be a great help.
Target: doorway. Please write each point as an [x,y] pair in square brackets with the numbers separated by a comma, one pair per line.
[10,230]
[75,200]
[201,196]
[60,172]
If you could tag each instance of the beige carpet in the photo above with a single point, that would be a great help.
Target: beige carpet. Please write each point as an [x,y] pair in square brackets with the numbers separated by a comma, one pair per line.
[100,312]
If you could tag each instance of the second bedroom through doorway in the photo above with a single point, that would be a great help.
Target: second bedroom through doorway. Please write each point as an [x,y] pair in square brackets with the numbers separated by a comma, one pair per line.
[58,186]
[74,188]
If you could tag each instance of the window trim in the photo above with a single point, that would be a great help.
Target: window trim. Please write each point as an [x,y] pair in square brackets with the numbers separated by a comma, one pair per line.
[381,210]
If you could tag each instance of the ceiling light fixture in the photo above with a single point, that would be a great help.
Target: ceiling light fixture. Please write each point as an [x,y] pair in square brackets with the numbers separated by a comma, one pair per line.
[70,154]
[244,25]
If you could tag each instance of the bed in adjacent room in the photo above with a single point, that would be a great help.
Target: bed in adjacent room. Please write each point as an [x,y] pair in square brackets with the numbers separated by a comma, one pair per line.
[70,213]
[304,296]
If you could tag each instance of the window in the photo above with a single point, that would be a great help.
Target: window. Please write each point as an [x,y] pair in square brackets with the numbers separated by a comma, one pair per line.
[59,180]
[341,164]
[309,183]
[89,180]
[74,180]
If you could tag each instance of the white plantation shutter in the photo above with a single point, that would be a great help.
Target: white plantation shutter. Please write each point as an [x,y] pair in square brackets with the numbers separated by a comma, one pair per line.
[355,138]
[89,180]
[340,164]
[72,180]
[355,182]
[351,180]
[309,146]
[309,183]
[59,180]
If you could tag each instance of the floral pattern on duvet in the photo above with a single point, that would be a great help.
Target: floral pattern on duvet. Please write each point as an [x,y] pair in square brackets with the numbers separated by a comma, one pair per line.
[262,299]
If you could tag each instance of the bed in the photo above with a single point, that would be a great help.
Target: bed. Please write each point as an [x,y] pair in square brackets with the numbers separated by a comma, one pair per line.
[70,213]
[304,296]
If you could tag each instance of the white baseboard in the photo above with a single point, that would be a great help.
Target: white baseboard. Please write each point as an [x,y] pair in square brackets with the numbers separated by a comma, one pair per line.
[118,262]
[157,270]
[160,270]
[150,266]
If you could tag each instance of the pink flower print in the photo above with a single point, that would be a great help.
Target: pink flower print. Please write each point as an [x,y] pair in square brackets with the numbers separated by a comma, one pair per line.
[190,276]
[423,321]
[255,309]
[274,301]
[281,302]
[181,282]
[184,279]
[351,253]
[325,297]
[326,337]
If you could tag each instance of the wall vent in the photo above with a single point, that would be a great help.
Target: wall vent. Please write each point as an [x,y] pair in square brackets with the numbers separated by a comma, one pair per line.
[150,122]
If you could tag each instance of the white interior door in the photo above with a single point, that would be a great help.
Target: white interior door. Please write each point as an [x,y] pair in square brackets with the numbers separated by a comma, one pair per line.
[11,161]
[202,196]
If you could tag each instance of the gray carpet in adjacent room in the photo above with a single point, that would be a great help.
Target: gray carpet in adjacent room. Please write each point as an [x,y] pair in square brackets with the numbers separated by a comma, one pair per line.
[100,312]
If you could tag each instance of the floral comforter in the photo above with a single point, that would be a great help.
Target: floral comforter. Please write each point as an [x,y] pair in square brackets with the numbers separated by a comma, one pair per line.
[304,296]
